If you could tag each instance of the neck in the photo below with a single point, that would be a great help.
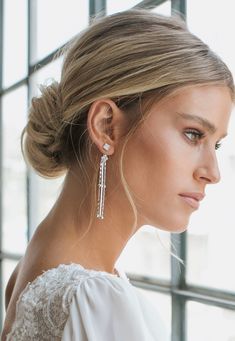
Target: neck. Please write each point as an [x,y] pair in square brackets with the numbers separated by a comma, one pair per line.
[98,245]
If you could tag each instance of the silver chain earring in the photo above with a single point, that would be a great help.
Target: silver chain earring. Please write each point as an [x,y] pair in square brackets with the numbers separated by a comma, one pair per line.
[102,183]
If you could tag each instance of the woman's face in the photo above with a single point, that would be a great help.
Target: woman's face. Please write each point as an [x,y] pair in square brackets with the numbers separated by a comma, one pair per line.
[172,157]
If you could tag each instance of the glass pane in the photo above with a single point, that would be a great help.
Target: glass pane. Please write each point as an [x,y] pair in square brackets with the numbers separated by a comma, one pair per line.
[162,305]
[44,191]
[55,22]
[218,36]
[46,75]
[118,6]
[211,232]
[14,41]
[164,9]
[206,323]
[145,255]
[8,267]
[47,192]
[14,172]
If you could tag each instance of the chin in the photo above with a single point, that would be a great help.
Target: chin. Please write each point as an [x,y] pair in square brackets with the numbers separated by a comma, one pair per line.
[180,230]
[174,227]
[177,224]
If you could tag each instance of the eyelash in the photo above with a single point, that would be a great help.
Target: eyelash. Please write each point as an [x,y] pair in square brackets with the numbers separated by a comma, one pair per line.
[199,135]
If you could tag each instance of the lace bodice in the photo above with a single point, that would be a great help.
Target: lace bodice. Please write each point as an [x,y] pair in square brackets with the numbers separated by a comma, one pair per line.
[73,303]
[43,306]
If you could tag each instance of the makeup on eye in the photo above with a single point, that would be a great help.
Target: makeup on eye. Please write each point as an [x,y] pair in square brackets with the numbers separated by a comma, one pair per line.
[197,136]
[218,145]
[206,124]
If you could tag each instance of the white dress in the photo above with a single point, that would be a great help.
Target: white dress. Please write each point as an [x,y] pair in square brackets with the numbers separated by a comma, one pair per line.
[71,303]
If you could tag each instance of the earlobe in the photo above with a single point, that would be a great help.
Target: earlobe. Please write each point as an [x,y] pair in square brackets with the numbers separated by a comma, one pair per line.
[104,124]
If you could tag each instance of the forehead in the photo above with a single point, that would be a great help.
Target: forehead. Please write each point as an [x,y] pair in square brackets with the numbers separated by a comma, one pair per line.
[211,103]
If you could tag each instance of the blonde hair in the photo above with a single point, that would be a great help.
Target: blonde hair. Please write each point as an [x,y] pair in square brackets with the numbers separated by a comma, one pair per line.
[134,58]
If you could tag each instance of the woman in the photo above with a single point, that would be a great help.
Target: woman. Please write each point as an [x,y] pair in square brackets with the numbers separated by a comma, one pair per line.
[135,122]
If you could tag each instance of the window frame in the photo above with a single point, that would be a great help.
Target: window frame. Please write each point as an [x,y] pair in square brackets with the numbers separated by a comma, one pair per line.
[178,289]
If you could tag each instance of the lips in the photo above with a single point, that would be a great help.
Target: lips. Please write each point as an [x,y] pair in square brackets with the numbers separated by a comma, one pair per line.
[192,198]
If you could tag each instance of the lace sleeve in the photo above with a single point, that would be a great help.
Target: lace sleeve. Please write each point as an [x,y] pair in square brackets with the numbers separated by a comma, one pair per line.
[43,306]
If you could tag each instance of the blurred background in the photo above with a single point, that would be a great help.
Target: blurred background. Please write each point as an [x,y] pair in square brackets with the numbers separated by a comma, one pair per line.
[196,301]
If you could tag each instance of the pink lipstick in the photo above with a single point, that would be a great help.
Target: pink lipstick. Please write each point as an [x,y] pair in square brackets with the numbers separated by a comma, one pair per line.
[192,198]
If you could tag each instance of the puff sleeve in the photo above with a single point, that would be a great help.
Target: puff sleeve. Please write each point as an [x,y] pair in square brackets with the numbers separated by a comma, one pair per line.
[107,309]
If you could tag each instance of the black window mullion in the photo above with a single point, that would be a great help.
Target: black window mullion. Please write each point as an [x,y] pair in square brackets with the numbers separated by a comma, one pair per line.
[179,6]
[178,283]
[97,7]
[149,3]
[179,242]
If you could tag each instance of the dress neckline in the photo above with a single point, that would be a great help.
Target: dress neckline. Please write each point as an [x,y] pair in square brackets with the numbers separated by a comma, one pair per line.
[120,274]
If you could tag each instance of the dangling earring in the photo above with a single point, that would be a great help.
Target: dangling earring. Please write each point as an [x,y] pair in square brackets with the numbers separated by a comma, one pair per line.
[102,183]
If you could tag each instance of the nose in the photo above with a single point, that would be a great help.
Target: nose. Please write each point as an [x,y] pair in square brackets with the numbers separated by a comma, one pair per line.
[208,170]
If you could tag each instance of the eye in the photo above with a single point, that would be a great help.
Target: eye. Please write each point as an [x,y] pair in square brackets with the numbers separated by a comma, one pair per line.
[194,135]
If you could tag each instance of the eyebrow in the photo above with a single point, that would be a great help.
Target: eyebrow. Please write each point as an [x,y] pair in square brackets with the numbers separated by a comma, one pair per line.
[203,121]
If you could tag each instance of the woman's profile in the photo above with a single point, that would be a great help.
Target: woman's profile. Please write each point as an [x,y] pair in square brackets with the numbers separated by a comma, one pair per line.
[134,125]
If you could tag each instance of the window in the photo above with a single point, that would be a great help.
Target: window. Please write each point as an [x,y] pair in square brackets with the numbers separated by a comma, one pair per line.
[189,299]
[15,36]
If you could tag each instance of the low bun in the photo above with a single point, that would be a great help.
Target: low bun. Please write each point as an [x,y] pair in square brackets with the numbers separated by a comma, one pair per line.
[40,139]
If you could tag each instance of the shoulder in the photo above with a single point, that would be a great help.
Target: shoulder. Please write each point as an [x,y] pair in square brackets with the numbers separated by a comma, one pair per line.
[11,283]
[106,307]
[56,289]
[8,295]
[57,286]
[73,281]
[99,289]
[49,296]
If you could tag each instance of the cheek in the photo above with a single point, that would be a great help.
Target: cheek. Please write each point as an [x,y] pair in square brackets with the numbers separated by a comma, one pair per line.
[156,170]
[151,162]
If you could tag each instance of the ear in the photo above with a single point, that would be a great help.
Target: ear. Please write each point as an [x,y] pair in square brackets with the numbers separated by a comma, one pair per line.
[106,124]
